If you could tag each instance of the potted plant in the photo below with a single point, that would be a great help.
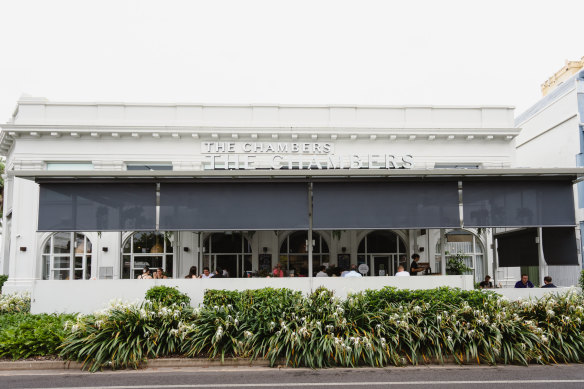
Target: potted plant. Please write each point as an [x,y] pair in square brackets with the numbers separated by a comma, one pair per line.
[455,265]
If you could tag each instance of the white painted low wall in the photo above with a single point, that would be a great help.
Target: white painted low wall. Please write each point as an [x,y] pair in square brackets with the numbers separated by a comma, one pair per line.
[531,293]
[92,295]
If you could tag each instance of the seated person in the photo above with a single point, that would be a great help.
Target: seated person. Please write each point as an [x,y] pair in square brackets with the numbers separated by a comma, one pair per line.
[192,272]
[353,272]
[486,283]
[145,274]
[278,272]
[218,273]
[159,274]
[401,272]
[547,280]
[322,272]
[524,282]
[206,273]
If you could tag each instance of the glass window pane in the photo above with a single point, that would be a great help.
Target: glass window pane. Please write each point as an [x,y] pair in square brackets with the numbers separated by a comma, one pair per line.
[169,265]
[151,262]
[297,241]
[69,166]
[60,274]
[88,267]
[62,243]
[127,246]
[78,263]
[299,264]
[149,166]
[78,274]
[46,266]
[126,267]
[61,262]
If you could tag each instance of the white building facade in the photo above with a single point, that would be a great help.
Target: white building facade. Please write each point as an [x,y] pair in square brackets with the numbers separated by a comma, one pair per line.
[552,135]
[245,187]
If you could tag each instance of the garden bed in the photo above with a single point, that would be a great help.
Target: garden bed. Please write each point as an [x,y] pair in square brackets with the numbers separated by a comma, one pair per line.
[386,327]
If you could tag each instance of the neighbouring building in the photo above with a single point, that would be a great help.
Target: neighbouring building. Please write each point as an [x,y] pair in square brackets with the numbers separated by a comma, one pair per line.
[552,135]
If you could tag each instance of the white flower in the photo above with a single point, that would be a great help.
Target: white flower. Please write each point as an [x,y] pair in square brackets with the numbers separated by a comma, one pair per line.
[219,333]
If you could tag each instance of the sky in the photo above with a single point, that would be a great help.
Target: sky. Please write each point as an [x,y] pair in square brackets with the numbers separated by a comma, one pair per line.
[362,52]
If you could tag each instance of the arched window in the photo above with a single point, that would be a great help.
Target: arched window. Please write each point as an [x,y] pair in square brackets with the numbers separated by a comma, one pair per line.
[383,252]
[469,247]
[149,248]
[67,256]
[294,253]
[229,251]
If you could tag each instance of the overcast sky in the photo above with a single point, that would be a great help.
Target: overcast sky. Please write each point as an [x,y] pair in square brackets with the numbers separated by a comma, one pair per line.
[302,52]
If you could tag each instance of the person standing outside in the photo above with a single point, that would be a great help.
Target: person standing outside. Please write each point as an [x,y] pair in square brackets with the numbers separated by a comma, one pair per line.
[524,282]
[415,268]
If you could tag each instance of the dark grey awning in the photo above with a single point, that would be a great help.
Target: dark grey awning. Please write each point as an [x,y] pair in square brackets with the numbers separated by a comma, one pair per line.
[372,205]
[520,248]
[560,246]
[97,207]
[517,248]
[507,203]
[234,206]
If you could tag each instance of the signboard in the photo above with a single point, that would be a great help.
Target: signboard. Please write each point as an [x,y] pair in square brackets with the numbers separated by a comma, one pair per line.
[363,268]
[293,156]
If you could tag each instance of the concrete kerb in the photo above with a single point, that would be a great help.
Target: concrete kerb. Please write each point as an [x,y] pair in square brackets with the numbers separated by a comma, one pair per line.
[151,363]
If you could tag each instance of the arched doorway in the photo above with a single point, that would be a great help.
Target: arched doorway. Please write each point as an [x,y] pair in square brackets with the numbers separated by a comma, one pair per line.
[383,252]
[466,245]
[294,253]
[67,256]
[149,248]
[230,251]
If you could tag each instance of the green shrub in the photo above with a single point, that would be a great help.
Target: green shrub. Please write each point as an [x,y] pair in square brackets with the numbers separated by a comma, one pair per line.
[374,328]
[25,335]
[3,279]
[166,295]
[582,280]
[124,335]
[14,303]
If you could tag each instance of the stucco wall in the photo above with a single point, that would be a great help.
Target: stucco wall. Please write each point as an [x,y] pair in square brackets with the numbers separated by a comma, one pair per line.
[88,296]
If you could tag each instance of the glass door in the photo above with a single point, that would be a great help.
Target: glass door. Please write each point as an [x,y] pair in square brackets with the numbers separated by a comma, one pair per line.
[381,265]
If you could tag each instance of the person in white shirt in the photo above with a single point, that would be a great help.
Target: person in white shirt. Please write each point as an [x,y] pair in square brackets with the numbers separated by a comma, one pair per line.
[206,273]
[353,272]
[401,272]
[322,272]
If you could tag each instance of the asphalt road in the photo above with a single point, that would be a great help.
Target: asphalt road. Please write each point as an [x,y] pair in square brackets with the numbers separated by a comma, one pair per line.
[559,376]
